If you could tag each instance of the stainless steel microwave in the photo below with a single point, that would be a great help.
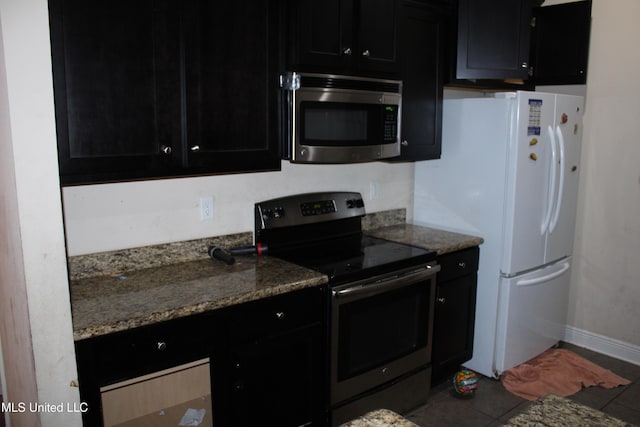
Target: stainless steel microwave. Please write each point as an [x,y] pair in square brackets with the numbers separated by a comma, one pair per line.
[341,119]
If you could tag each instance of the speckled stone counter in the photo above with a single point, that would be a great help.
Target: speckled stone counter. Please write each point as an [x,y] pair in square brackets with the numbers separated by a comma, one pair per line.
[125,300]
[118,290]
[555,411]
[380,418]
[429,238]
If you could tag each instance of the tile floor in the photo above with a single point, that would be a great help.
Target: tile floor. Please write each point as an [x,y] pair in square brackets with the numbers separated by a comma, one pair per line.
[493,404]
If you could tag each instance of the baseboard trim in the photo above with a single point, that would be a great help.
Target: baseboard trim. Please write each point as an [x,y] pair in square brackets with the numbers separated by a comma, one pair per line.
[599,343]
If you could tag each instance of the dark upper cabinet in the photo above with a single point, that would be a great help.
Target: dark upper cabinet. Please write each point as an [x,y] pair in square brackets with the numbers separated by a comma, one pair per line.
[423,40]
[112,60]
[503,40]
[231,87]
[560,43]
[354,37]
[155,89]
[493,39]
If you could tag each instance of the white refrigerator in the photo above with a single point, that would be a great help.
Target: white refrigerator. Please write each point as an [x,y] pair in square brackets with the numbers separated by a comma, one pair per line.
[509,173]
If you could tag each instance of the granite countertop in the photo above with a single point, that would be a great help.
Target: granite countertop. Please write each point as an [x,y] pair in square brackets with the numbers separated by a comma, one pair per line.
[425,237]
[119,290]
[380,418]
[556,411]
[105,304]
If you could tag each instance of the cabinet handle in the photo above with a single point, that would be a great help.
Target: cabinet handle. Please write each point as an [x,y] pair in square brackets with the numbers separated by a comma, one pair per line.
[165,149]
[161,345]
[462,264]
[524,65]
[405,143]
[195,148]
[346,51]
[280,315]
[366,53]
[441,300]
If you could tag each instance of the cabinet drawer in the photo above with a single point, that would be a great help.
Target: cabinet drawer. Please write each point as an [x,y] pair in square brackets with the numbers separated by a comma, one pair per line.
[275,315]
[139,351]
[458,264]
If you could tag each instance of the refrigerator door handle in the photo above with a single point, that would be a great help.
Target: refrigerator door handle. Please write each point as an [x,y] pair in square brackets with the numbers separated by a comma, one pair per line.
[545,278]
[554,220]
[552,185]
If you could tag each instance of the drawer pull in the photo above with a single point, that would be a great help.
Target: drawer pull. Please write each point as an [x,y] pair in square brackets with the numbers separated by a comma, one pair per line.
[441,300]
[462,264]
[161,345]
[280,315]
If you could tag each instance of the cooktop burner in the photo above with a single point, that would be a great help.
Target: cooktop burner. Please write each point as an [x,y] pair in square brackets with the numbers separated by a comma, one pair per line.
[322,231]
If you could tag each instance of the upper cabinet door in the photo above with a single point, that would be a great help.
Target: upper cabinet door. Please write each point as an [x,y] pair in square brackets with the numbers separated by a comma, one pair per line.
[423,30]
[493,39]
[324,32]
[378,35]
[116,82]
[231,65]
[560,43]
[354,37]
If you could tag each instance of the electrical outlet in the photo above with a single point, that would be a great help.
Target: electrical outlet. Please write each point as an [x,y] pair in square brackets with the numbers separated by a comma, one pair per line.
[373,190]
[206,208]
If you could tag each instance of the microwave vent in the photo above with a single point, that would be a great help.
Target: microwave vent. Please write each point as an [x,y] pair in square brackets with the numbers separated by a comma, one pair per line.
[339,82]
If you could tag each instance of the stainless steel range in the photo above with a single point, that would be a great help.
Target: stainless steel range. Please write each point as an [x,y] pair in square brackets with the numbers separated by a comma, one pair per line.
[381,299]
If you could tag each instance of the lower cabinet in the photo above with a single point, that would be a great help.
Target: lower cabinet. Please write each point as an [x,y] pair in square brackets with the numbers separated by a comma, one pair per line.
[273,371]
[259,363]
[454,315]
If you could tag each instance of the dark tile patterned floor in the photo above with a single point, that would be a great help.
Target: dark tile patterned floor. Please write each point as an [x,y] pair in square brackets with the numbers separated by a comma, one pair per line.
[493,404]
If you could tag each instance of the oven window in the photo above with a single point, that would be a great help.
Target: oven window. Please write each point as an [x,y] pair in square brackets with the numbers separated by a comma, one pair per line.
[379,329]
[335,124]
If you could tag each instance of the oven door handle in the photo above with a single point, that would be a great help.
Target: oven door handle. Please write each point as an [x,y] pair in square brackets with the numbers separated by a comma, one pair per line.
[371,287]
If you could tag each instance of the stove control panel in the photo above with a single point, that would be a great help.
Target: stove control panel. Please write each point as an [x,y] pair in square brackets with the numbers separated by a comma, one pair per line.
[355,203]
[308,208]
[318,208]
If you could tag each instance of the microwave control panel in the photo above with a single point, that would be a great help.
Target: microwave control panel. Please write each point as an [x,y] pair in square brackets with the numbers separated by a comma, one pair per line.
[390,122]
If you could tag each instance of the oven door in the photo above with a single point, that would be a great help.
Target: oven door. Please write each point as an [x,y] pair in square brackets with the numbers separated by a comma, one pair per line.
[381,329]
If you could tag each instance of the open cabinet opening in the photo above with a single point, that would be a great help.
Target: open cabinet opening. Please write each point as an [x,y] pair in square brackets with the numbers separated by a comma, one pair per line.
[176,396]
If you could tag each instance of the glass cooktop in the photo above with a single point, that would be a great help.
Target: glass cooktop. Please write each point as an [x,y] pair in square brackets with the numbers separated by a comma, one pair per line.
[356,257]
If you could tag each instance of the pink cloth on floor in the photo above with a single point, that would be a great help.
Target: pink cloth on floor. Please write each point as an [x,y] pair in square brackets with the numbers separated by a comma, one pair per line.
[557,371]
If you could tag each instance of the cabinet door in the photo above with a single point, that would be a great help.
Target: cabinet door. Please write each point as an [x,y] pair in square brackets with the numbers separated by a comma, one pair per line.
[277,381]
[560,44]
[422,40]
[324,32]
[377,48]
[231,87]
[493,39]
[453,325]
[116,83]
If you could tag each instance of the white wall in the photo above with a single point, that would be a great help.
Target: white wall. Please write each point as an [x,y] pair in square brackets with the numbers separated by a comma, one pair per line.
[605,289]
[35,318]
[115,216]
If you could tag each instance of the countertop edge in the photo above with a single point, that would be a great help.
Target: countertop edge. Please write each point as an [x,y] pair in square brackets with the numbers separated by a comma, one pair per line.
[199,308]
